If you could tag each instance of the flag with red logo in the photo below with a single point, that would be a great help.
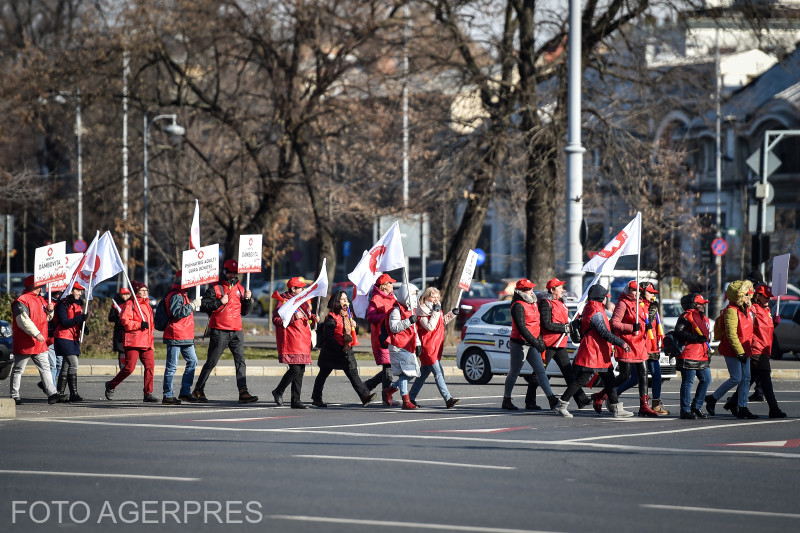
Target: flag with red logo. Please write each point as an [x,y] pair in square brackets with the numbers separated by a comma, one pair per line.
[318,288]
[100,262]
[387,254]
[626,242]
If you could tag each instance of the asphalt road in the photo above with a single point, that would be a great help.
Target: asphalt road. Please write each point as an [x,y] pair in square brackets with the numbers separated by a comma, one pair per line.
[225,467]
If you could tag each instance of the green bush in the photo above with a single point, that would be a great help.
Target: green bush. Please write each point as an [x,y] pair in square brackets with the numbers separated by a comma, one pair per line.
[5,306]
[97,340]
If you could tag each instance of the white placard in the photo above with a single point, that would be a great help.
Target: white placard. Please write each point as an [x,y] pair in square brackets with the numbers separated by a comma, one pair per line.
[49,264]
[469,270]
[780,274]
[200,266]
[249,253]
[71,262]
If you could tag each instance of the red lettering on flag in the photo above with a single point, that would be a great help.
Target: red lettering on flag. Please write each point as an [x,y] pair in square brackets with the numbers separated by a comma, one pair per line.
[614,246]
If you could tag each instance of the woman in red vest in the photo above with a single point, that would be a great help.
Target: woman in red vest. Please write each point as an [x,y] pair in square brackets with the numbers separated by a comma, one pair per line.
[294,344]
[431,323]
[380,303]
[404,343]
[692,330]
[67,340]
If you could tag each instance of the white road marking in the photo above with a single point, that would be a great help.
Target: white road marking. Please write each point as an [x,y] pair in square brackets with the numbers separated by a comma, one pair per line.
[408,525]
[95,474]
[684,430]
[416,461]
[239,419]
[721,511]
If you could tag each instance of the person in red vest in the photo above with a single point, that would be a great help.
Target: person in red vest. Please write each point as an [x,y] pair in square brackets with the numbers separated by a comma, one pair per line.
[763,330]
[69,319]
[226,302]
[137,319]
[29,339]
[179,338]
[430,327]
[294,344]
[693,331]
[594,354]
[380,304]
[403,341]
[119,300]
[337,339]
[736,345]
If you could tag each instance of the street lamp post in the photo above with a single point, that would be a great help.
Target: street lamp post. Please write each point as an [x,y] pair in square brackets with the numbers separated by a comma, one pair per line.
[173,130]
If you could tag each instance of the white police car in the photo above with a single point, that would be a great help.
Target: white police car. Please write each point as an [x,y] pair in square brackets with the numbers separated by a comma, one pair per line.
[484,349]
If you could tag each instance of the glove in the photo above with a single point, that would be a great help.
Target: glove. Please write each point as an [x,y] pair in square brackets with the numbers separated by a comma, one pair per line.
[145,325]
[776,320]
[413,318]
[418,350]
[539,345]
[637,327]
[741,357]
[347,339]
[436,307]
[83,318]
[567,328]
[455,311]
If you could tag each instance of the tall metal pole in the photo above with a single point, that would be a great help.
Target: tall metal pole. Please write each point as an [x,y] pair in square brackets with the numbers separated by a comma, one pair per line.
[80,164]
[718,258]
[574,153]
[406,33]
[125,73]
[144,198]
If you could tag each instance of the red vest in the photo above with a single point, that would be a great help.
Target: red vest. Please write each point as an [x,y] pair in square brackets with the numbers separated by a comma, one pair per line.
[22,343]
[229,316]
[532,321]
[135,336]
[763,328]
[183,328]
[379,304]
[558,315]
[406,339]
[696,351]
[339,332]
[294,339]
[72,333]
[622,325]
[432,343]
[594,351]
[744,331]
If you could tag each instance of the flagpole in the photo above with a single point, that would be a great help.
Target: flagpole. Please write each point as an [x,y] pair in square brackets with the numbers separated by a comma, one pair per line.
[638,265]
[88,293]
[135,300]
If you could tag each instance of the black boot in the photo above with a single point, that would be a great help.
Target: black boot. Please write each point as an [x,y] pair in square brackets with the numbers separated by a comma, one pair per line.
[61,387]
[553,399]
[744,412]
[508,406]
[74,397]
[731,404]
[710,403]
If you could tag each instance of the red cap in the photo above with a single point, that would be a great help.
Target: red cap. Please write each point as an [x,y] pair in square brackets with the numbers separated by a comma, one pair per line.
[29,282]
[231,266]
[384,278]
[632,284]
[651,289]
[700,300]
[763,289]
[295,282]
[78,286]
[524,284]
[555,282]
[124,290]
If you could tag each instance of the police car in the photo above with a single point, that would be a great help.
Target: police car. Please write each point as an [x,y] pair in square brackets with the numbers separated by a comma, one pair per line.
[484,348]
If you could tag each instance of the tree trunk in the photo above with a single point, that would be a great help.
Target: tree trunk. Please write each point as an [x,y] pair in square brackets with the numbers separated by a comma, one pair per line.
[540,216]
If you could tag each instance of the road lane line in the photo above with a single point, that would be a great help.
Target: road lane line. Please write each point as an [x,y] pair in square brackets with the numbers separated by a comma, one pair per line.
[721,511]
[416,461]
[684,430]
[95,474]
[408,525]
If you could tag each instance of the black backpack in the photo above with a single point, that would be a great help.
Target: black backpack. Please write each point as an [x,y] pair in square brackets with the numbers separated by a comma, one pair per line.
[671,345]
[161,315]
[575,330]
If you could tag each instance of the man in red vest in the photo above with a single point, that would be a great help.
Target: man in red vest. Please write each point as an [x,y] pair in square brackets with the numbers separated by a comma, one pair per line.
[29,329]
[179,338]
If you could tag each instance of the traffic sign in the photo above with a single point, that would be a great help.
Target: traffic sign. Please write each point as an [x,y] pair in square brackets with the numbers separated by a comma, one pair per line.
[719,246]
[79,246]
[481,256]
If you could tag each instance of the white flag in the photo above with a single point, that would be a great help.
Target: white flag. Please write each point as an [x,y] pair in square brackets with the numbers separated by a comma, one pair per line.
[625,243]
[194,236]
[318,288]
[100,262]
[386,254]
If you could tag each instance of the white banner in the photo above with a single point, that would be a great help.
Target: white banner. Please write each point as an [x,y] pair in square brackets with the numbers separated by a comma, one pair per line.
[469,270]
[386,254]
[49,264]
[318,288]
[200,266]
[100,262]
[71,262]
[780,274]
[249,253]
[625,243]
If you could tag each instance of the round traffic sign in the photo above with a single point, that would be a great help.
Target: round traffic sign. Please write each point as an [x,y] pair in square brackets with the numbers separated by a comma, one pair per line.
[719,246]
[79,246]
[481,256]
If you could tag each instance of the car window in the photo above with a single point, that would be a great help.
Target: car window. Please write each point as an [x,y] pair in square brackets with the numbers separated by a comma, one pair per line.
[672,309]
[478,290]
[788,311]
[499,315]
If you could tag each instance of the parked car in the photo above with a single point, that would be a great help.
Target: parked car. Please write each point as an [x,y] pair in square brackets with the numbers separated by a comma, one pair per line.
[787,333]
[263,294]
[477,295]
[17,282]
[484,349]
[6,357]
[672,310]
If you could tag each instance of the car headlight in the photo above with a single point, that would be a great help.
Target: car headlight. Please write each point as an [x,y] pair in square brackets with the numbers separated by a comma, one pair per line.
[5,331]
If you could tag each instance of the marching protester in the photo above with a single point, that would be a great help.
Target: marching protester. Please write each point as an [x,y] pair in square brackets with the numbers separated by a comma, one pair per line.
[31,313]
[179,338]
[594,354]
[55,362]
[761,350]
[137,320]
[431,323]
[628,322]
[117,303]
[692,331]
[526,344]
[555,328]
[337,339]
[404,343]
[380,304]
[69,319]
[226,301]
[294,344]
[736,345]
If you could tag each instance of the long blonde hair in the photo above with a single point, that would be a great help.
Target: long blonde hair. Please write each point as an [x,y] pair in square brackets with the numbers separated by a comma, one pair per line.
[429,292]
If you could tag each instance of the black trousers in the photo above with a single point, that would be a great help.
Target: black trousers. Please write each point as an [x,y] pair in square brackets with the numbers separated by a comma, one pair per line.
[561,358]
[351,371]
[219,339]
[583,375]
[383,377]
[293,376]
[625,373]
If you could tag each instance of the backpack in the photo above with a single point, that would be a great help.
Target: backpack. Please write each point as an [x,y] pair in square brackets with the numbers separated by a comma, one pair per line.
[719,326]
[161,315]
[575,329]
[671,345]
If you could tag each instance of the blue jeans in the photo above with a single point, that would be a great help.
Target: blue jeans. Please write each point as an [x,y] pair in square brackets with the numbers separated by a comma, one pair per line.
[438,375]
[401,384]
[655,371]
[55,362]
[188,353]
[740,373]
[687,378]
[519,353]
